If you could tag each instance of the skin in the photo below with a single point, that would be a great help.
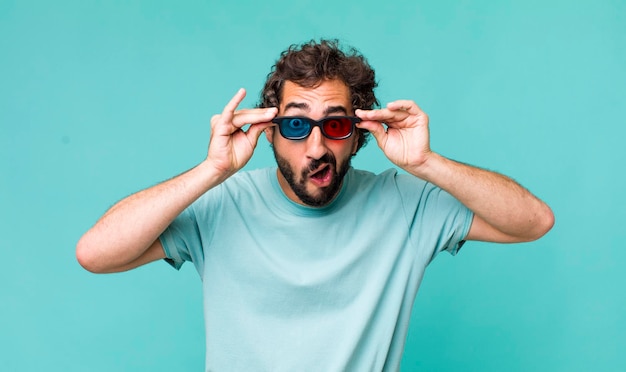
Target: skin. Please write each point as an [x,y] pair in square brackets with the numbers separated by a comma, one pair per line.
[127,235]
[331,97]
[504,211]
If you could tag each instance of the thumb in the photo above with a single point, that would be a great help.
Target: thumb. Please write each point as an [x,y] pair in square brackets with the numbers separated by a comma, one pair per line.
[377,129]
[255,131]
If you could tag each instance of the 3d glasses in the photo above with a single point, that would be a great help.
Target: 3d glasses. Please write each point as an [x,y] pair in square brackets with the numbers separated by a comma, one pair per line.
[332,127]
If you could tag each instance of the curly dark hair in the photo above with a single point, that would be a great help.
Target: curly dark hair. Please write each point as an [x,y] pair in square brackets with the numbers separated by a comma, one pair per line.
[310,63]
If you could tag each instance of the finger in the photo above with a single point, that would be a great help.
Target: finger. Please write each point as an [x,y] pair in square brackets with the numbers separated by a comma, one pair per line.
[405,105]
[232,105]
[383,115]
[253,116]
[376,128]
[255,130]
[371,114]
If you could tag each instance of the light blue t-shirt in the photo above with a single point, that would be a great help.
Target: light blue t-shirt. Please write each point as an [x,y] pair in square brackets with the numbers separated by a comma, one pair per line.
[295,288]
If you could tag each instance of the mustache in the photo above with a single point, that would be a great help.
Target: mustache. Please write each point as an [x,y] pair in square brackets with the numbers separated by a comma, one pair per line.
[325,159]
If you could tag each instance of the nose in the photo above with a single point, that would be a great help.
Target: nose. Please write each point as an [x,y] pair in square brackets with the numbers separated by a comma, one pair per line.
[316,144]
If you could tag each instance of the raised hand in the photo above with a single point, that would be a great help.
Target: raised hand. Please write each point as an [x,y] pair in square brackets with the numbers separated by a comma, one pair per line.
[401,131]
[127,235]
[503,210]
[230,147]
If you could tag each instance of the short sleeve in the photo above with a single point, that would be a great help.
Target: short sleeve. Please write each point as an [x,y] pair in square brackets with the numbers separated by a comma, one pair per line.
[437,220]
[182,241]
[456,219]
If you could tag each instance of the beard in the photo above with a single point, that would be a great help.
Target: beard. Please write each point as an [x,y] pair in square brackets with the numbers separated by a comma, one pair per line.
[325,194]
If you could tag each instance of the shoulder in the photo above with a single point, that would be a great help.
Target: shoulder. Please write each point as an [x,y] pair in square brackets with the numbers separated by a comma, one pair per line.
[243,184]
[250,178]
[364,176]
[388,179]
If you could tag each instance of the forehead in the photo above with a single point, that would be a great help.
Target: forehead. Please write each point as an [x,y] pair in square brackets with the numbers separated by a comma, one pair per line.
[329,93]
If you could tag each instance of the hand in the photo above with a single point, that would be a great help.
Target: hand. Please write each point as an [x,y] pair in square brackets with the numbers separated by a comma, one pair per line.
[230,147]
[405,139]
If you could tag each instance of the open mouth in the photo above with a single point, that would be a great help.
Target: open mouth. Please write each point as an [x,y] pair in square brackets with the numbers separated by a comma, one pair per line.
[322,174]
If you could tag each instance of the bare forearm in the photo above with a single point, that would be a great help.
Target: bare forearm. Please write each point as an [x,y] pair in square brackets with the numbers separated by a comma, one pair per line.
[498,200]
[131,226]
[126,236]
[503,210]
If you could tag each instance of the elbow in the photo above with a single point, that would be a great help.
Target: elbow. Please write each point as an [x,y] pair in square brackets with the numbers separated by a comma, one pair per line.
[543,223]
[86,257]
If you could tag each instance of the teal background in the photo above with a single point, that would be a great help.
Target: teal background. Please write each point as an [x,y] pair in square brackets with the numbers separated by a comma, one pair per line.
[99,99]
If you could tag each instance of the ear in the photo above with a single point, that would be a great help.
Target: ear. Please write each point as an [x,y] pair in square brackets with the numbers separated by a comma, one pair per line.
[269,134]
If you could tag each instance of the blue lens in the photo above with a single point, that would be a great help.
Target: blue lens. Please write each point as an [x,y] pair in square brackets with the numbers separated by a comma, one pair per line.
[295,128]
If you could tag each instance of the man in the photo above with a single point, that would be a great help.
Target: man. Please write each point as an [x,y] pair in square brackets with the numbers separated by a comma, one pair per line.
[313,265]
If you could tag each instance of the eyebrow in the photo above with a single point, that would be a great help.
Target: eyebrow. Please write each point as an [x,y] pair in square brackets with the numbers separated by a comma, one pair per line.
[335,110]
[305,107]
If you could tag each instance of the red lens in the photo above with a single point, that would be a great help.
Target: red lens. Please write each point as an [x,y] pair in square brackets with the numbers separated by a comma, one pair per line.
[337,127]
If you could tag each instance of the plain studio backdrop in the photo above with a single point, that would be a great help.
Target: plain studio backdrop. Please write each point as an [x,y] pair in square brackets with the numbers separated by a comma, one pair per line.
[99,99]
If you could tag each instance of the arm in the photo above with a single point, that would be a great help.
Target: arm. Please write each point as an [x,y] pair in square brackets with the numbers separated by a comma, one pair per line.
[127,235]
[504,211]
